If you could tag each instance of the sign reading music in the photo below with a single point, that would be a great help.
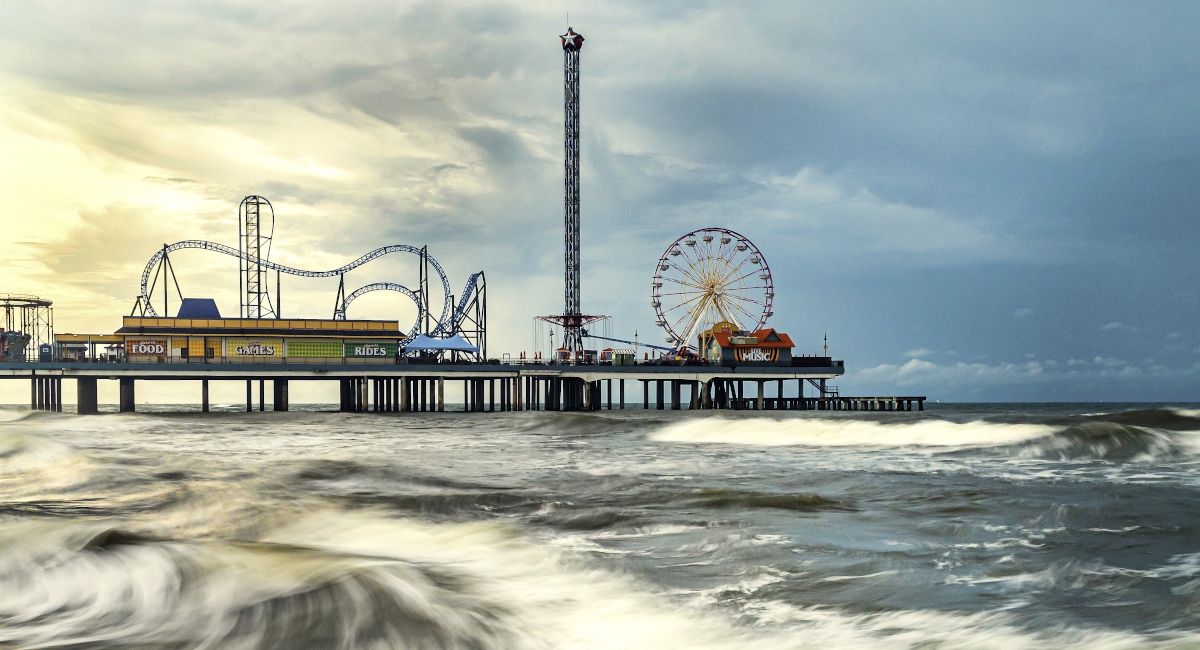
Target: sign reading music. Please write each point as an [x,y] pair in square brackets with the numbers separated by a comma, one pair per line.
[756,354]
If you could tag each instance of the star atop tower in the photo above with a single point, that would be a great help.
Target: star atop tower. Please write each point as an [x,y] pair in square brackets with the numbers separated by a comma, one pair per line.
[571,40]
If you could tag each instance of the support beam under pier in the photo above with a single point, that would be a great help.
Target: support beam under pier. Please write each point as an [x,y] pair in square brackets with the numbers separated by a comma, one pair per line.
[127,396]
[85,396]
[280,402]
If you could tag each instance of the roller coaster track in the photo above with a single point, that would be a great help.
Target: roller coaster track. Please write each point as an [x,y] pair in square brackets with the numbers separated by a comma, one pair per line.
[446,322]
[390,286]
[399,288]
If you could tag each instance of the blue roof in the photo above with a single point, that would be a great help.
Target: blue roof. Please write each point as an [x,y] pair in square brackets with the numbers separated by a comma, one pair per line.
[198,308]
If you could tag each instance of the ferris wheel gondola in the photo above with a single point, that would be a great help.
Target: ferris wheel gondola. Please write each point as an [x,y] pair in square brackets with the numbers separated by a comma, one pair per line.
[709,276]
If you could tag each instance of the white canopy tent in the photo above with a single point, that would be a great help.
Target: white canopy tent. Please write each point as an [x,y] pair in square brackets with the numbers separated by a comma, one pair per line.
[455,343]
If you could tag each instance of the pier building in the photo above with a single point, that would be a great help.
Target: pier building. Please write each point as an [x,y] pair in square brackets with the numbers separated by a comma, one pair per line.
[259,340]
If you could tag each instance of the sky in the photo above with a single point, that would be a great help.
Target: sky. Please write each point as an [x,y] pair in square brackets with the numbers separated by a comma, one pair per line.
[985,201]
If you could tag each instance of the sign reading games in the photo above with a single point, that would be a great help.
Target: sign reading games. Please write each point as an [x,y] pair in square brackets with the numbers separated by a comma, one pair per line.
[254,350]
[249,348]
[145,347]
[756,354]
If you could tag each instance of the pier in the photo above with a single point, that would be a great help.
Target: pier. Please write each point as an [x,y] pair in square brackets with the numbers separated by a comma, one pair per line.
[711,292]
[492,387]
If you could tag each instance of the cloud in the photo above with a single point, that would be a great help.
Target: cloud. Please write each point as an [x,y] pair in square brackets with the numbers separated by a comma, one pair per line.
[904,169]
[918,370]
[1108,378]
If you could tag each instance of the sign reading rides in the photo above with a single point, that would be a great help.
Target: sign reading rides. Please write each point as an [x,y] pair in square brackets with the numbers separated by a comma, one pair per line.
[371,350]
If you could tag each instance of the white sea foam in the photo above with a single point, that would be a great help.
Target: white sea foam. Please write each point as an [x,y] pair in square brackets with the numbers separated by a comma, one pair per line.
[476,584]
[32,467]
[11,414]
[828,628]
[557,601]
[814,432]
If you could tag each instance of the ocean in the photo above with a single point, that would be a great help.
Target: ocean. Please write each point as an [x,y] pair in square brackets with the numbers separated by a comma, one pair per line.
[963,526]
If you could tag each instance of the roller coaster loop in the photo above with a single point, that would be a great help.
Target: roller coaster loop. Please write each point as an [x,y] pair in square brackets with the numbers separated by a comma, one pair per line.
[446,323]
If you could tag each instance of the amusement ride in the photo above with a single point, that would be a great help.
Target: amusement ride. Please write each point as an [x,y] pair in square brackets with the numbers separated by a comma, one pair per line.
[709,276]
[255,301]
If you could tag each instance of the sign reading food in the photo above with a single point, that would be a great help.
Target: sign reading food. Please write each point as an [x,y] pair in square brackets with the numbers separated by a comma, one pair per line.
[146,347]
[756,354]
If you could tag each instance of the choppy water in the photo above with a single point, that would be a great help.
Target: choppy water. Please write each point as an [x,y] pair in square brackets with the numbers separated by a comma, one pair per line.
[969,526]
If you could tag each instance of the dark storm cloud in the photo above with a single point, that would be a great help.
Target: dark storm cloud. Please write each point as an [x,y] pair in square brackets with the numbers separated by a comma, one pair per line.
[917,173]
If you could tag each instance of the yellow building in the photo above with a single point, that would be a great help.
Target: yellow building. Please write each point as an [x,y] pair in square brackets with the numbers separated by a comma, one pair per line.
[253,340]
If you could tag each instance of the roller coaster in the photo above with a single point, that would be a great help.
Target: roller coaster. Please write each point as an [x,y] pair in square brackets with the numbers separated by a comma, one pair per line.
[470,310]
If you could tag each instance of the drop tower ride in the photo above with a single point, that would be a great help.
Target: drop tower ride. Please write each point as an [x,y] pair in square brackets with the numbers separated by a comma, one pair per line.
[572,336]
[572,319]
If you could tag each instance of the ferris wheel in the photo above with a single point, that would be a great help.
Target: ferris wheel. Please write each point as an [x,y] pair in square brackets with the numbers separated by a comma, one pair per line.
[709,276]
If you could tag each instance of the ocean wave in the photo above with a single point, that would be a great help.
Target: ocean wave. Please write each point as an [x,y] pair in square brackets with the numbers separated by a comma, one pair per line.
[117,588]
[400,488]
[1170,419]
[725,498]
[10,414]
[1098,439]
[557,601]
[1093,576]
[819,432]
[35,469]
[565,423]
[355,581]
[1110,441]
[827,628]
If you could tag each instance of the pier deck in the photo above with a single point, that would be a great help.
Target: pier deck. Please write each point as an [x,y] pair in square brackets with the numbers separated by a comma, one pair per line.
[413,387]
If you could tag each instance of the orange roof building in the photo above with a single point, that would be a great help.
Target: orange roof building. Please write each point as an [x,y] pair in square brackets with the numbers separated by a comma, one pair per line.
[765,347]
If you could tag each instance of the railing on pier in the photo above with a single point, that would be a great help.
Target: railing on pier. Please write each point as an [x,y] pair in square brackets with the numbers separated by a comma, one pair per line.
[829,403]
